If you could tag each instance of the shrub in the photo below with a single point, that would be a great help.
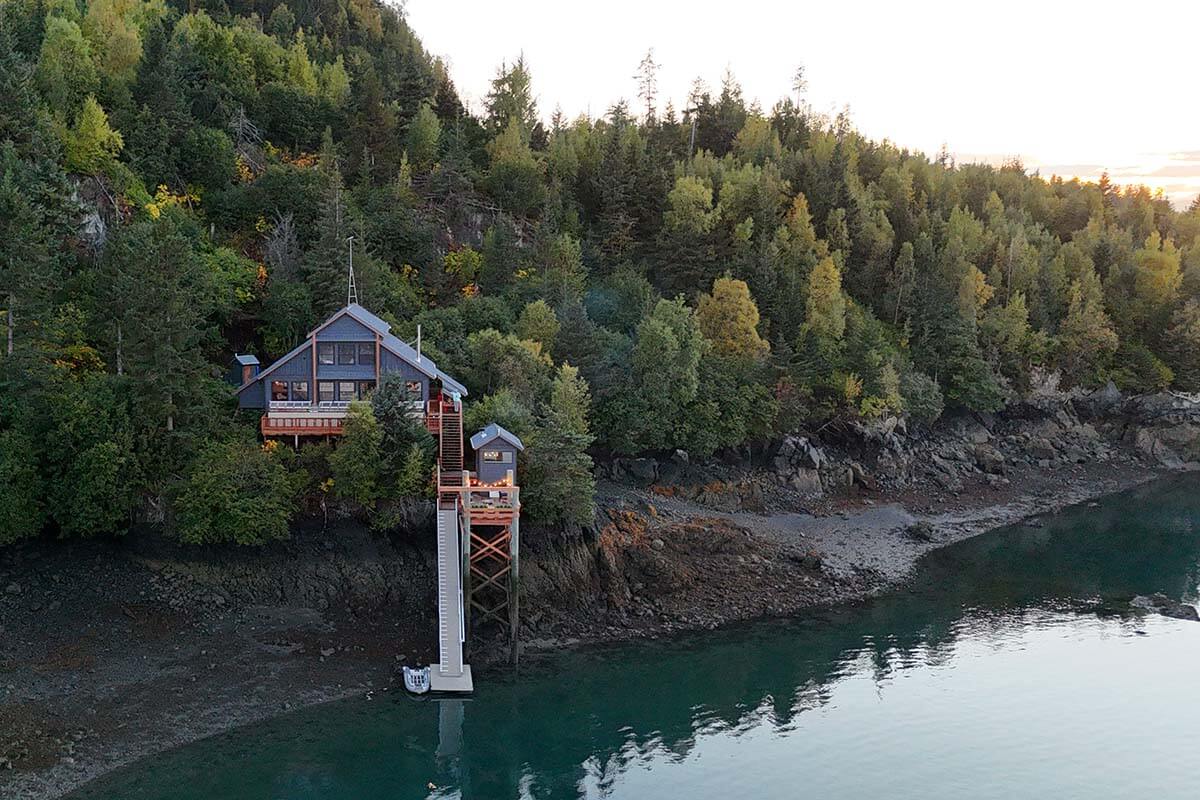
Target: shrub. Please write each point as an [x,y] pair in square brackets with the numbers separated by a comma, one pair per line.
[1140,369]
[237,492]
[357,460]
[922,397]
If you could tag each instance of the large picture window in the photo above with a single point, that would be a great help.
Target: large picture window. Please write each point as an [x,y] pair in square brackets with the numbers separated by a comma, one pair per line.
[325,391]
[345,354]
[279,390]
[366,354]
[346,390]
[325,352]
[413,391]
[300,390]
[365,388]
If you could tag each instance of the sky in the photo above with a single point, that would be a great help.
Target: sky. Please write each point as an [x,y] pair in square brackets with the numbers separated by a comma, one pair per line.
[1071,88]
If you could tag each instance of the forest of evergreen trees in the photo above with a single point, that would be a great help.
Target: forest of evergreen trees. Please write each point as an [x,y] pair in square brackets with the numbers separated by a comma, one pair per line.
[178,182]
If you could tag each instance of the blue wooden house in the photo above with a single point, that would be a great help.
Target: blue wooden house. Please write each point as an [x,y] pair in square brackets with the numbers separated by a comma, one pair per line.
[307,391]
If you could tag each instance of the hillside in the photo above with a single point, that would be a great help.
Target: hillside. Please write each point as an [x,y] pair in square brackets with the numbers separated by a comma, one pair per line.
[178,182]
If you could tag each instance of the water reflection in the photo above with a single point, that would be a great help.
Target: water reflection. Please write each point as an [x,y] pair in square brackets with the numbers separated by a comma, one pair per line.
[582,724]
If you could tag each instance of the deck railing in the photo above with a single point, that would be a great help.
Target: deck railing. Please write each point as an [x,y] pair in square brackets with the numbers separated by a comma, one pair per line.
[301,425]
[289,405]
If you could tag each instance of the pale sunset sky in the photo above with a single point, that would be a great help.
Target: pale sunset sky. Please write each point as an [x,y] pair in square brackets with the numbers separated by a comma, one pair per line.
[1072,88]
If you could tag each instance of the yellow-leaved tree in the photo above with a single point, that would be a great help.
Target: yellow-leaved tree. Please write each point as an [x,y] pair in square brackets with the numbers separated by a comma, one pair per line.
[729,319]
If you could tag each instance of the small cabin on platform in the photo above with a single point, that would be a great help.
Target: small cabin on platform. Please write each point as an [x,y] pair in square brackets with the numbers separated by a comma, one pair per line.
[307,391]
[496,455]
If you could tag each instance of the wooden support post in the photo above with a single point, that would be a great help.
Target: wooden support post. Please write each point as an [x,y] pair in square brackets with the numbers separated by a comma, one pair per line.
[514,583]
[313,397]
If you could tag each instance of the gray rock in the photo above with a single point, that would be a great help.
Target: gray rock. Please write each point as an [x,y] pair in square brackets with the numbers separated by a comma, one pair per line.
[1166,606]
[807,482]
[800,451]
[921,531]
[989,459]
[639,471]
[1041,448]
[1100,403]
[657,544]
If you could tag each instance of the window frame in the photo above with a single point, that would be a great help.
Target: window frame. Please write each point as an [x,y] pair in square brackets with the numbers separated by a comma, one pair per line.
[367,349]
[495,456]
[332,385]
[353,391]
[326,354]
[275,384]
[300,391]
[347,350]
[365,388]
[414,391]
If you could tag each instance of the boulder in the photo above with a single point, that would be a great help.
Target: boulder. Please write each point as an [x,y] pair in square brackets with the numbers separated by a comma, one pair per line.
[1168,607]
[989,459]
[968,429]
[838,478]
[921,531]
[642,471]
[807,482]
[1042,449]
[1102,402]
[1147,442]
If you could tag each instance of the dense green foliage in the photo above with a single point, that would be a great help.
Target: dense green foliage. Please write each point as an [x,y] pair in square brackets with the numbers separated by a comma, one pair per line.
[236,492]
[178,181]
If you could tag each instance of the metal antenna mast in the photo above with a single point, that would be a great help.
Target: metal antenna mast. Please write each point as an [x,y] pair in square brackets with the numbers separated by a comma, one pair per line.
[351,288]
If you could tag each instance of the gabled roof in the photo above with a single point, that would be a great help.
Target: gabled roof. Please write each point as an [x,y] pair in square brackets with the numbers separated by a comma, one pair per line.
[357,312]
[493,432]
[245,359]
[393,343]
[422,363]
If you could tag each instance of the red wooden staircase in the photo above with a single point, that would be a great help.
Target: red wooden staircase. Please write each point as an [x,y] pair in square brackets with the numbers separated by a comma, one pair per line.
[450,449]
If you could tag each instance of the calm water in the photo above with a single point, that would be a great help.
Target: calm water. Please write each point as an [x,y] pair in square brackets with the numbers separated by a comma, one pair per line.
[996,679]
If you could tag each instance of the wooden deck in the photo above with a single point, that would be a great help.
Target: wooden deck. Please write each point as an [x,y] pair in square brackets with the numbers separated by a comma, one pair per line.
[277,424]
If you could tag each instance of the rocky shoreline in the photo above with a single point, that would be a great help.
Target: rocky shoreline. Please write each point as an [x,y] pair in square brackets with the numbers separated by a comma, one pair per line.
[110,653]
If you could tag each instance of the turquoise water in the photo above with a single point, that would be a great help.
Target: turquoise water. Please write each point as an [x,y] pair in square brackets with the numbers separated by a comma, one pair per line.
[997,676]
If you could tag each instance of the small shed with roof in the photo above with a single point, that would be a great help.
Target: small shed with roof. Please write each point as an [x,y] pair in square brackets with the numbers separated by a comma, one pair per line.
[496,455]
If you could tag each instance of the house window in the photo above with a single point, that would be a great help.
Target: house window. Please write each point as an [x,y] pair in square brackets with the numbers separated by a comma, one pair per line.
[300,390]
[366,354]
[345,355]
[346,391]
[325,391]
[325,352]
[279,390]
[497,456]
[413,391]
[365,388]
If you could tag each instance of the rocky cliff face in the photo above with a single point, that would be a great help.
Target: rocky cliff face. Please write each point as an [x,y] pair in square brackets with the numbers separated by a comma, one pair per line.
[1045,431]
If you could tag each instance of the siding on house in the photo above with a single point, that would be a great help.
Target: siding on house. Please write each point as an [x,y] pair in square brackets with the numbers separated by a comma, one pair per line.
[345,329]
[357,372]
[495,471]
[296,368]
[251,396]
[390,363]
